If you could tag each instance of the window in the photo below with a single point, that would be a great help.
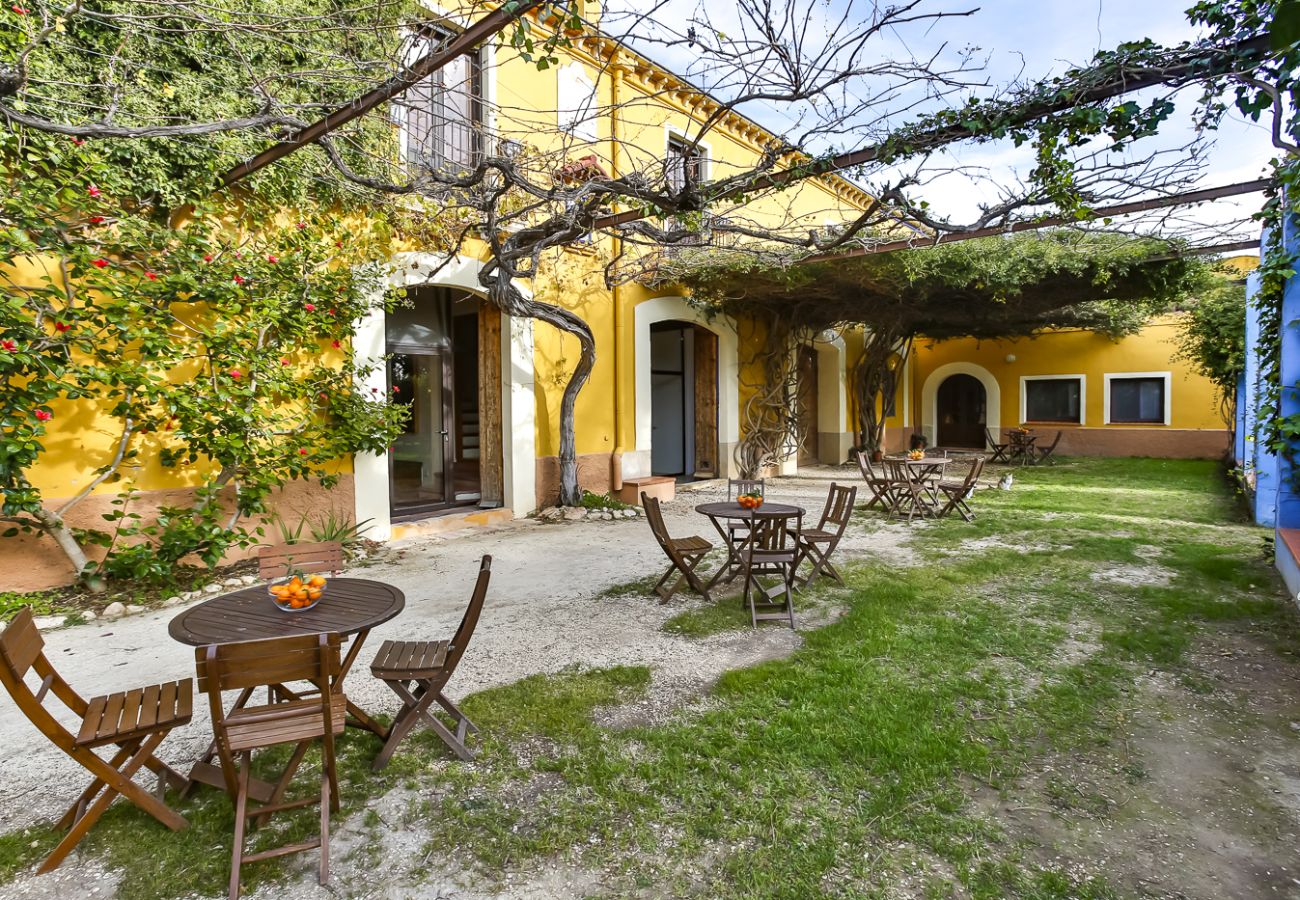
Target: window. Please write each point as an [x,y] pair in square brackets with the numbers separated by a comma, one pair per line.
[683,163]
[443,114]
[576,101]
[1054,398]
[1139,399]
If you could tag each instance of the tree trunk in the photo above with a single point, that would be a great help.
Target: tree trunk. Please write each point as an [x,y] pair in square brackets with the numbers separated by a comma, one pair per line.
[509,299]
[52,524]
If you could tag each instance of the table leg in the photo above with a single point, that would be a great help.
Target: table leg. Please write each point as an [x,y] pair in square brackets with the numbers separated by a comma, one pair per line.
[357,717]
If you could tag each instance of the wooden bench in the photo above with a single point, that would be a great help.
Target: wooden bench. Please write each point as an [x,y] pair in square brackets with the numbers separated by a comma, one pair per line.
[662,487]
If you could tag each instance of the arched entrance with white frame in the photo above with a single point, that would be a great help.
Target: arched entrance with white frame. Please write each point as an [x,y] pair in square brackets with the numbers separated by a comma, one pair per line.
[371,471]
[655,311]
[930,397]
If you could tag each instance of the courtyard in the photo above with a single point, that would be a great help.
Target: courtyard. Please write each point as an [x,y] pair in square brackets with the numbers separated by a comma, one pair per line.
[1092,690]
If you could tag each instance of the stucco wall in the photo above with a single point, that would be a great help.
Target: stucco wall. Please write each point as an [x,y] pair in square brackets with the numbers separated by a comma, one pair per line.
[29,563]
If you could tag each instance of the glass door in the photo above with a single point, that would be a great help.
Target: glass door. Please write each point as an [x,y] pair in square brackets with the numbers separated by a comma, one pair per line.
[421,457]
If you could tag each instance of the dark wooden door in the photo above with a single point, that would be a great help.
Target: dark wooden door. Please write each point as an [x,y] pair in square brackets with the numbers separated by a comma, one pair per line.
[961,407]
[807,406]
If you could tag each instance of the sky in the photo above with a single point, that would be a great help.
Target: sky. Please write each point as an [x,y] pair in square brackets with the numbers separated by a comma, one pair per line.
[1026,39]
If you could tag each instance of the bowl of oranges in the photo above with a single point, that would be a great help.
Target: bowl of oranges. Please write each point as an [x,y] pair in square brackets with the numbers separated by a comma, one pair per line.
[916,454]
[297,592]
[750,501]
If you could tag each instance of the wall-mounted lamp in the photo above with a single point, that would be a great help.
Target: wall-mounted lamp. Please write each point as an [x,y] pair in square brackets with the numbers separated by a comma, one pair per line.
[1011,357]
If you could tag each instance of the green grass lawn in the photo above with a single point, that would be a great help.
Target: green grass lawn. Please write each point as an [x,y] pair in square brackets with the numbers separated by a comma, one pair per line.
[853,766]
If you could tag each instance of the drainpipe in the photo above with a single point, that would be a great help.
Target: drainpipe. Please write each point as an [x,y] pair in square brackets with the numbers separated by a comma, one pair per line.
[616,458]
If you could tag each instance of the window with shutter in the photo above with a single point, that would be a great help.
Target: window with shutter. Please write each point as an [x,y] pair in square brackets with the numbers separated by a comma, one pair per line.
[683,163]
[442,115]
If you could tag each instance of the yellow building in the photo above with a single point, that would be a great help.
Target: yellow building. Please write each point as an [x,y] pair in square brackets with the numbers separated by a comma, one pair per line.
[1106,397]
[666,396]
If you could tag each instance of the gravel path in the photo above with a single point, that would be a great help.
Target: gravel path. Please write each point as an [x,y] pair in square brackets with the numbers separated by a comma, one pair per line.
[548,607]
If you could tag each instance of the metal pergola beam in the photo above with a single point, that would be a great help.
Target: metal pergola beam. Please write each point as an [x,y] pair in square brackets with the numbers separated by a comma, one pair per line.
[422,68]
[1122,209]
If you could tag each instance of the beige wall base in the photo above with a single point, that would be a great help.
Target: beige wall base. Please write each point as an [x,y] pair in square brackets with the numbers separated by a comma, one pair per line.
[31,563]
[1163,443]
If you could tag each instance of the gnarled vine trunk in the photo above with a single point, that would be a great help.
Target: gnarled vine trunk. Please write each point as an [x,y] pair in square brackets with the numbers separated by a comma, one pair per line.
[873,380]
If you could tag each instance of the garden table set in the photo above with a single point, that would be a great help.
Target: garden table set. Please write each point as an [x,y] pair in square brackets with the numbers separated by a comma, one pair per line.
[247,641]
[911,488]
[764,541]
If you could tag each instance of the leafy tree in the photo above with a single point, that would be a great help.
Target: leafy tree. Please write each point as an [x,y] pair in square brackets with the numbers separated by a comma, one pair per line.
[1213,337]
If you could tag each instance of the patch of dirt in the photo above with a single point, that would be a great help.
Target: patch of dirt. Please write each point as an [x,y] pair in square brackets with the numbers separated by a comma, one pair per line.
[1201,798]
[1142,576]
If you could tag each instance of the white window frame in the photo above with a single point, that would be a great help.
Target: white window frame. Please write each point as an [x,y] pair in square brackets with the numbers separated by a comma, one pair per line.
[579,121]
[1083,396]
[1169,396]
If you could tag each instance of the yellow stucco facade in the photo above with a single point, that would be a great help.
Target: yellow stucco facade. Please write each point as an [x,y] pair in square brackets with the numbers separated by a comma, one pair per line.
[618,421]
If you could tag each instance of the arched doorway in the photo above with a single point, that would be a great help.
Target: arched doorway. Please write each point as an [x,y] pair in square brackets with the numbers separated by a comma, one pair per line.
[961,407]
[683,400]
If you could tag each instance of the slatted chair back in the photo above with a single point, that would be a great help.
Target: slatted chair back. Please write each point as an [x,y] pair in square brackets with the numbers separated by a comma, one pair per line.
[773,536]
[655,516]
[838,509]
[469,621]
[283,559]
[22,651]
[738,487]
[989,438]
[251,664]
[976,470]
[1044,452]
[865,467]
[936,452]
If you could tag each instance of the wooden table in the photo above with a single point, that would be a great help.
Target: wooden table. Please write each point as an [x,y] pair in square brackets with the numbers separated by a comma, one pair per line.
[350,607]
[1022,447]
[925,472]
[721,514]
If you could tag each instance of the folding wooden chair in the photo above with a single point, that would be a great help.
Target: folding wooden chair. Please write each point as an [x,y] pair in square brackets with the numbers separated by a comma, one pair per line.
[133,722]
[283,559]
[736,487]
[1045,453]
[684,554]
[771,548]
[880,486]
[959,492]
[302,721]
[417,671]
[999,450]
[817,544]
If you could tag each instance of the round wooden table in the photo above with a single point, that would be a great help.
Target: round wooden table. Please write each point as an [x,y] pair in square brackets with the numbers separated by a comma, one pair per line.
[723,512]
[350,607]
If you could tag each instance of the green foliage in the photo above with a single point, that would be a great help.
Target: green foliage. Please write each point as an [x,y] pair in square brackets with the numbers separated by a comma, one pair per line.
[993,287]
[213,344]
[1213,338]
[602,501]
[330,525]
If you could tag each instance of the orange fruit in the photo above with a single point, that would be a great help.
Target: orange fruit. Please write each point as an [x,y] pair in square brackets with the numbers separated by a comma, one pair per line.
[313,594]
[317,581]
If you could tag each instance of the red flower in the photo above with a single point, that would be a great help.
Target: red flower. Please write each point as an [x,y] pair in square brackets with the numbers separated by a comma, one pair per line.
[20,10]
[238,279]
[207,257]
[323,395]
[96,220]
[302,225]
[93,191]
[43,415]
[100,263]
[334,312]
[152,276]
[8,346]
[302,451]
[62,326]
[273,259]
[235,373]
[310,307]
[396,389]
[77,142]
[284,361]
[336,344]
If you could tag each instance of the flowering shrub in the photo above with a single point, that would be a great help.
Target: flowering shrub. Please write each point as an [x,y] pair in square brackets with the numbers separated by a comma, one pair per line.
[210,342]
